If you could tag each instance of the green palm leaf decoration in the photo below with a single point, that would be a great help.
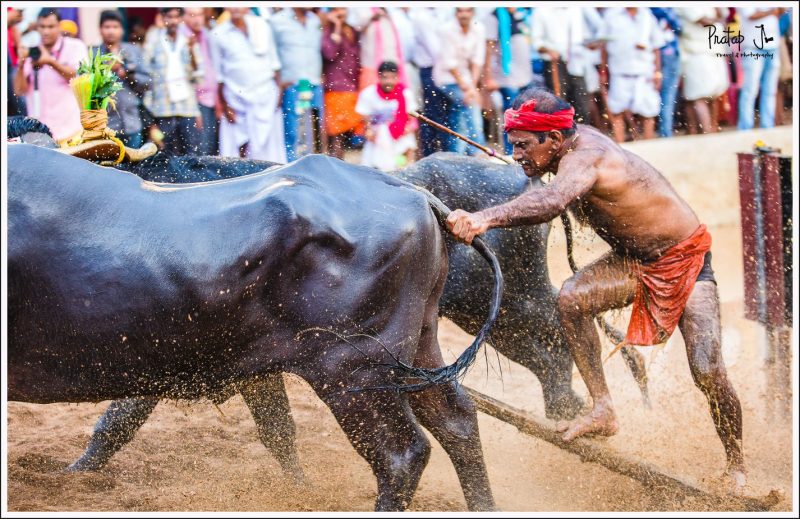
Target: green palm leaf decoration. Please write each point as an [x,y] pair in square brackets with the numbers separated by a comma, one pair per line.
[95,85]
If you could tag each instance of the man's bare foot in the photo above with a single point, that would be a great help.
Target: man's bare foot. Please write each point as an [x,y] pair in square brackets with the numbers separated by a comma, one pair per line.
[601,420]
[737,480]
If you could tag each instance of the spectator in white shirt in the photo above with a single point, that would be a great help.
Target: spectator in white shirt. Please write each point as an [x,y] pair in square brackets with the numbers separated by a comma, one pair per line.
[508,56]
[634,67]
[425,52]
[761,72]
[248,72]
[558,35]
[298,38]
[704,74]
[456,73]
[593,58]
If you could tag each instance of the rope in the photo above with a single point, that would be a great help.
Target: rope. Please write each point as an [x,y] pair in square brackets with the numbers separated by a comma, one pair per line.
[95,127]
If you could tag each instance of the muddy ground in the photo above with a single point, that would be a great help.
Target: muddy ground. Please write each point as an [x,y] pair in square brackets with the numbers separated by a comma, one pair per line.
[195,457]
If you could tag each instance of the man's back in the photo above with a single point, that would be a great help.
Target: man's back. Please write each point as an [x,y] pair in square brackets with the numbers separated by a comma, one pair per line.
[631,205]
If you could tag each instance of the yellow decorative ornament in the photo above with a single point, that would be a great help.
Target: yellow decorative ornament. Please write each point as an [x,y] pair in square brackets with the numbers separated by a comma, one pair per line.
[94,88]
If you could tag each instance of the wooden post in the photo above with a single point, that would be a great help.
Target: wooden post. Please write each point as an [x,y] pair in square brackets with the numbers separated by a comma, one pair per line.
[765,198]
[589,451]
[750,254]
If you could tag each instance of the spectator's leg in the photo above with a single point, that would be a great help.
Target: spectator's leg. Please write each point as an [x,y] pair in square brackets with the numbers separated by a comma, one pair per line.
[769,88]
[454,116]
[508,99]
[426,131]
[577,95]
[747,96]
[321,139]
[453,93]
[409,154]
[618,124]
[148,121]
[169,127]
[133,140]
[702,113]
[473,126]
[214,133]
[538,68]
[618,102]
[336,146]
[442,108]
[547,72]
[714,105]
[691,117]
[595,114]
[228,141]
[474,120]
[208,132]
[670,68]
[648,127]
[290,120]
[435,108]
[191,135]
[172,140]
[461,122]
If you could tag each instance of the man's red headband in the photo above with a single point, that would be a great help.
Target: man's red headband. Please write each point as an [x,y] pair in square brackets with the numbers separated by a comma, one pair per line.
[531,121]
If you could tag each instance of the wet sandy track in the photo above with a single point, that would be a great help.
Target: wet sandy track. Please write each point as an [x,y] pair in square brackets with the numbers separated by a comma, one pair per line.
[195,457]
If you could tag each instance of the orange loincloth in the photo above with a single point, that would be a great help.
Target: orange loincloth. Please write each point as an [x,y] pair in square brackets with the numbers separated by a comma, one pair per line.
[664,288]
[340,113]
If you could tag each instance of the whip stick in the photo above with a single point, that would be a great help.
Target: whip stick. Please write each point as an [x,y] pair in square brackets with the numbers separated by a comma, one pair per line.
[489,151]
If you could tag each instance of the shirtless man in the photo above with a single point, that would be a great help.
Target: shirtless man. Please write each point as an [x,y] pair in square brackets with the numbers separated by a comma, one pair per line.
[659,258]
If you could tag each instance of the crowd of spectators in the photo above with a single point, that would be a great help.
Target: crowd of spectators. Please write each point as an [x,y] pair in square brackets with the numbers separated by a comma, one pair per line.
[278,83]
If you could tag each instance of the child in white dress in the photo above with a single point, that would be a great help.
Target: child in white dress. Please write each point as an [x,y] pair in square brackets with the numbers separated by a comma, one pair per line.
[391,142]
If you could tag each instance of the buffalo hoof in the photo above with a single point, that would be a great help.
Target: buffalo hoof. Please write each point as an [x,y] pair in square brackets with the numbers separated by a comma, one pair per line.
[297,477]
[82,467]
[565,407]
[85,464]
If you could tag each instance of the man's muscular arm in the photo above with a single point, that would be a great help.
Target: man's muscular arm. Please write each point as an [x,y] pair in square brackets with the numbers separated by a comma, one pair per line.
[576,176]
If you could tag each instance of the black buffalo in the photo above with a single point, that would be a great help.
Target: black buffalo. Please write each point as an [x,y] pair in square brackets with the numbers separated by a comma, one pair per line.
[118,288]
[527,330]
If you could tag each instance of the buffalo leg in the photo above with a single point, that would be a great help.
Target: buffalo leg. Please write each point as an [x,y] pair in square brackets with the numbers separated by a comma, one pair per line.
[560,399]
[266,398]
[384,431]
[538,344]
[114,430]
[450,416]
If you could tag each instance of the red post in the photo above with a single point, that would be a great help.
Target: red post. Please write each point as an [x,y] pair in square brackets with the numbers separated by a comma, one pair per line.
[747,202]
[773,240]
[762,192]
